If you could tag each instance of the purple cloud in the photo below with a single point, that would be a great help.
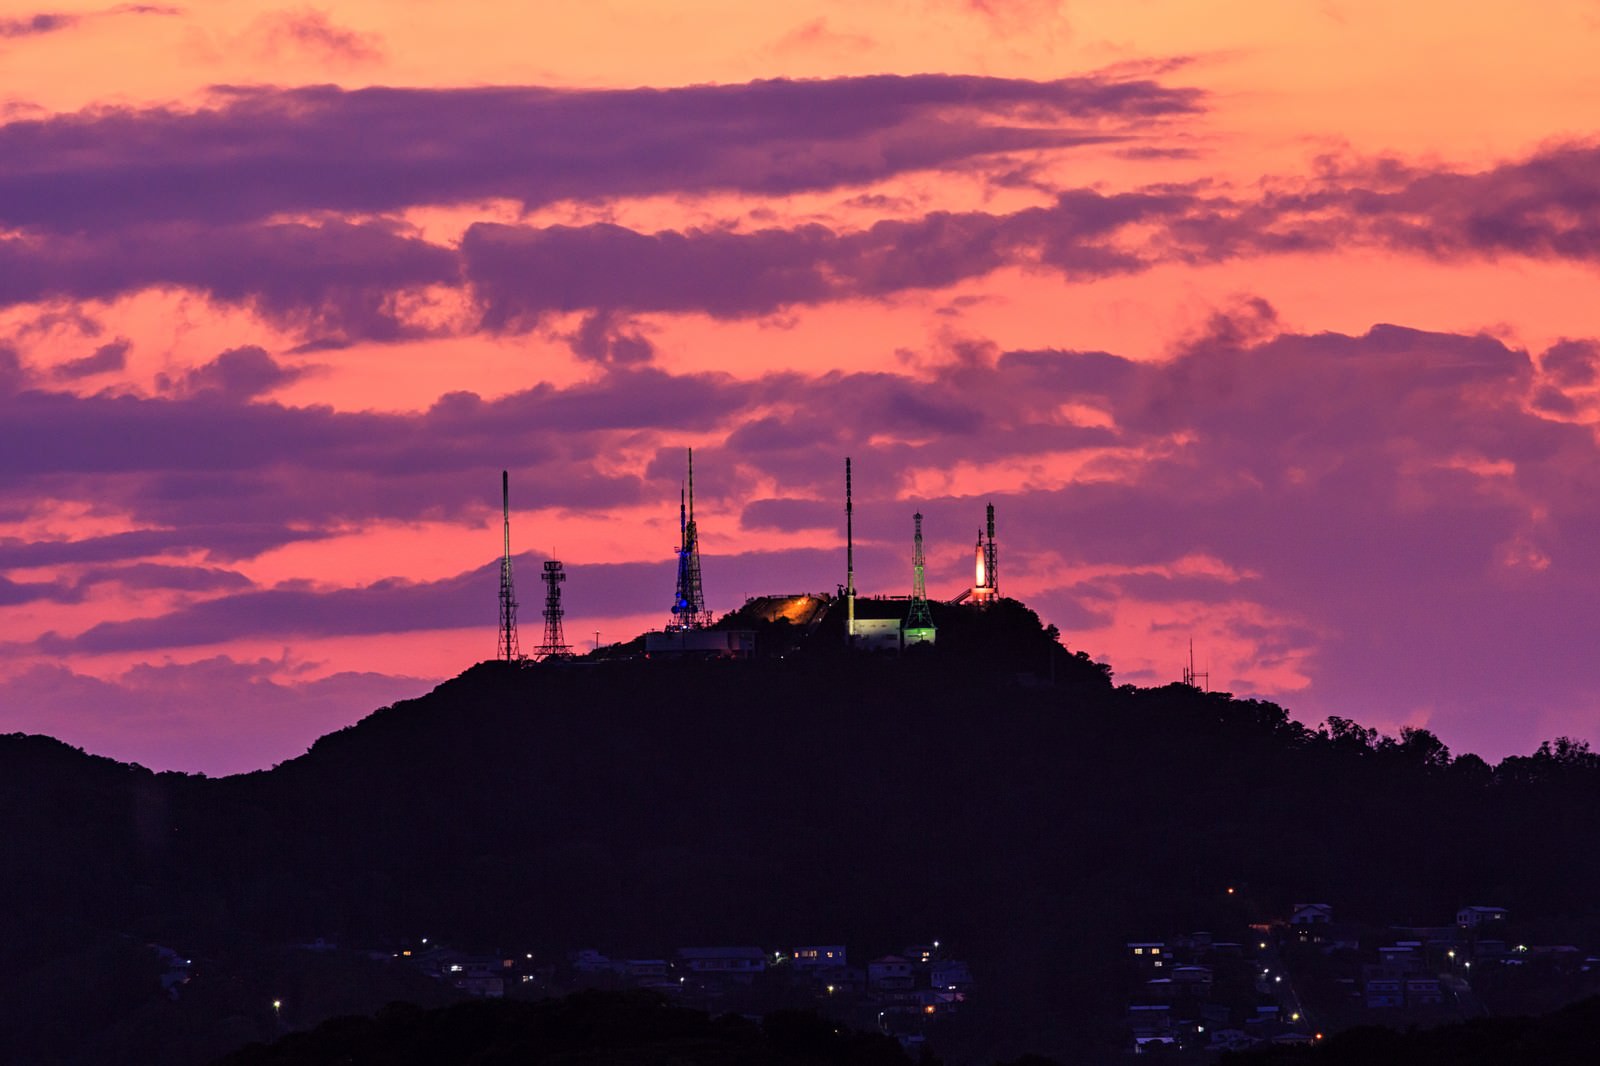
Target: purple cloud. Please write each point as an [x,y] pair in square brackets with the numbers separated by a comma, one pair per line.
[35,25]
[606,338]
[13,593]
[53,22]
[335,277]
[224,542]
[261,152]
[312,32]
[235,375]
[103,360]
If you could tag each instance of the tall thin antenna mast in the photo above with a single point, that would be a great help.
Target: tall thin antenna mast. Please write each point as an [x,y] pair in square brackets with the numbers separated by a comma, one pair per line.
[1201,680]
[508,650]
[849,557]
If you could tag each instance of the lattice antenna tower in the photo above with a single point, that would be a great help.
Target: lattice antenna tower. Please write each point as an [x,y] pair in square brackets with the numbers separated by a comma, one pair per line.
[919,617]
[689,604]
[991,571]
[555,643]
[508,650]
[849,557]
[1200,680]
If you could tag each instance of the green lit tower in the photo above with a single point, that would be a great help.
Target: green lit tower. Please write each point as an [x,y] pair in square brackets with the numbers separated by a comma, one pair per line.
[918,628]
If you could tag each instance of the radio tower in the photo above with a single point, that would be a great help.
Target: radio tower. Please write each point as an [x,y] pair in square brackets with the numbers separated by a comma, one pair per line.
[918,626]
[689,605]
[990,559]
[1196,679]
[555,644]
[849,558]
[508,650]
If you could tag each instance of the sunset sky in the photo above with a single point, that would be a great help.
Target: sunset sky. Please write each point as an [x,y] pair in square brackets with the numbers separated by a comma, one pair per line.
[1270,325]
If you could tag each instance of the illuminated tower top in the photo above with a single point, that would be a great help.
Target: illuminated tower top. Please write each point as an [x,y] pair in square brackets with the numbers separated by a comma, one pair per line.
[985,587]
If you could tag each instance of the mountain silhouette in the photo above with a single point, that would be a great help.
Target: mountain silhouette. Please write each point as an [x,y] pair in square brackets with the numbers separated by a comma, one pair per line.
[993,791]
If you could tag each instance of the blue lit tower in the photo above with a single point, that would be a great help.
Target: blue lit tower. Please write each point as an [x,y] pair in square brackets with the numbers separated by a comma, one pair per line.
[508,650]
[918,628]
[689,605]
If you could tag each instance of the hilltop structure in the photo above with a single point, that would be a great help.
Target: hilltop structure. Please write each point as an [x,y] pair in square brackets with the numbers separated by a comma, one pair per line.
[508,650]
[555,642]
[849,559]
[986,581]
[689,631]
[870,623]
[919,621]
[689,603]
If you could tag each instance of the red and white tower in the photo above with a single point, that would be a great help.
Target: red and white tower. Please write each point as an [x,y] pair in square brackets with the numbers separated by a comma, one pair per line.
[985,583]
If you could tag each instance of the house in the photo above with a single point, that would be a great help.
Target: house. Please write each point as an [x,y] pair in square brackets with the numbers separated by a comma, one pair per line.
[645,971]
[1264,1018]
[1478,917]
[1231,1039]
[1149,953]
[877,634]
[1423,992]
[740,964]
[950,975]
[890,973]
[700,644]
[1195,978]
[818,957]
[588,960]
[843,981]
[1310,914]
[476,975]
[1150,1020]
[1405,956]
[1384,992]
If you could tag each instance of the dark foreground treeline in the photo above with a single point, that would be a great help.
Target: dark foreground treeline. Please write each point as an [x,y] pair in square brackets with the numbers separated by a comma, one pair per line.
[603,1028]
[584,1029]
[638,807]
[1568,1037]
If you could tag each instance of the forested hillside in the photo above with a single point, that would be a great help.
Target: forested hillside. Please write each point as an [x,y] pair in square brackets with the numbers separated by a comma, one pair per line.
[819,797]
